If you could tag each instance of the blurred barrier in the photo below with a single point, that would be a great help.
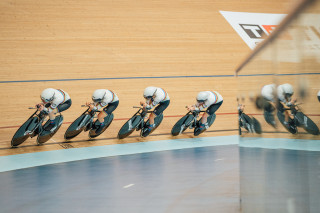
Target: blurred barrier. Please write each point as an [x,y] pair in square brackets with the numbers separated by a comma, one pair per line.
[278,97]
[289,59]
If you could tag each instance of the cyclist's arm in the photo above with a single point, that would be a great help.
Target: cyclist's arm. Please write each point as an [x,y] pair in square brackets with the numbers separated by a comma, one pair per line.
[151,105]
[99,105]
[55,103]
[199,107]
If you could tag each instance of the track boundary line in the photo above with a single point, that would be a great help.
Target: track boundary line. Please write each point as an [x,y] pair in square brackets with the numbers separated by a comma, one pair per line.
[152,77]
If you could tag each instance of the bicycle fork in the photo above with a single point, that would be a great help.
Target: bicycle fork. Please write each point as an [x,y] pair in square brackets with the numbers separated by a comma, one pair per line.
[82,124]
[191,124]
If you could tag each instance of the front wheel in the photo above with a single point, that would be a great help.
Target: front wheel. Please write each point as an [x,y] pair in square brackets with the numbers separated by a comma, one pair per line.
[182,124]
[23,133]
[129,126]
[77,126]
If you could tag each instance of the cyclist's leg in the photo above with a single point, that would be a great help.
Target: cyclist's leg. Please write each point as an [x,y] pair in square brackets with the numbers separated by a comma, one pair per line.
[204,118]
[268,113]
[52,116]
[60,108]
[106,111]
[210,111]
[268,107]
[151,118]
[281,109]
[157,111]
[64,106]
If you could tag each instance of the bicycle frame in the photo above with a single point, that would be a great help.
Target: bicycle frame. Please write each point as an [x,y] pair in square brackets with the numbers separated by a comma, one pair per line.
[38,124]
[83,119]
[143,114]
[294,110]
[196,115]
[92,114]
[194,120]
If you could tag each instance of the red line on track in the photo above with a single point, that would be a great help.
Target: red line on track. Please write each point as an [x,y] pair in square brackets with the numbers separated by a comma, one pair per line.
[167,116]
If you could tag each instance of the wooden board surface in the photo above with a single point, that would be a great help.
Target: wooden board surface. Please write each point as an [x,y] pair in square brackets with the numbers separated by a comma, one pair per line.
[118,39]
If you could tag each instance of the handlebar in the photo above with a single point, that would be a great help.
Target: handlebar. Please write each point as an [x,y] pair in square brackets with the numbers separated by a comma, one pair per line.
[292,106]
[88,108]
[197,111]
[297,104]
[141,108]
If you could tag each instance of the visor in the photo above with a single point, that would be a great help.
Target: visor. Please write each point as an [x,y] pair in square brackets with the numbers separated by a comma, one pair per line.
[99,99]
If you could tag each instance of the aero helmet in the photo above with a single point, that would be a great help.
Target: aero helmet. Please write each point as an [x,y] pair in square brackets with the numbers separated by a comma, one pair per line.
[149,92]
[202,96]
[98,95]
[287,91]
[47,95]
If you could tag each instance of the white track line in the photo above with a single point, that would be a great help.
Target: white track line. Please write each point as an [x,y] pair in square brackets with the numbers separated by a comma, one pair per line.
[127,186]
[219,159]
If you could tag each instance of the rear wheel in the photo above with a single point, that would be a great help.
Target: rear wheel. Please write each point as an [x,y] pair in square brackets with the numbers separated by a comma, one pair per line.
[256,126]
[107,122]
[269,117]
[44,136]
[210,120]
[157,122]
[306,123]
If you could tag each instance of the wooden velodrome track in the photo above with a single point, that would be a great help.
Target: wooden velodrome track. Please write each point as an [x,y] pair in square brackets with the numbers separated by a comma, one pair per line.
[44,43]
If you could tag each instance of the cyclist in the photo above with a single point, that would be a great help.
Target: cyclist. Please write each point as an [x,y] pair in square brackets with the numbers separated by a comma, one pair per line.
[53,101]
[155,96]
[267,102]
[285,92]
[106,99]
[211,100]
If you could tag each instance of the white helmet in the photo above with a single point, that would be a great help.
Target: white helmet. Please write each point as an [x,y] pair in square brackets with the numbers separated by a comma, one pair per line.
[149,92]
[202,96]
[287,89]
[99,95]
[268,91]
[47,95]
